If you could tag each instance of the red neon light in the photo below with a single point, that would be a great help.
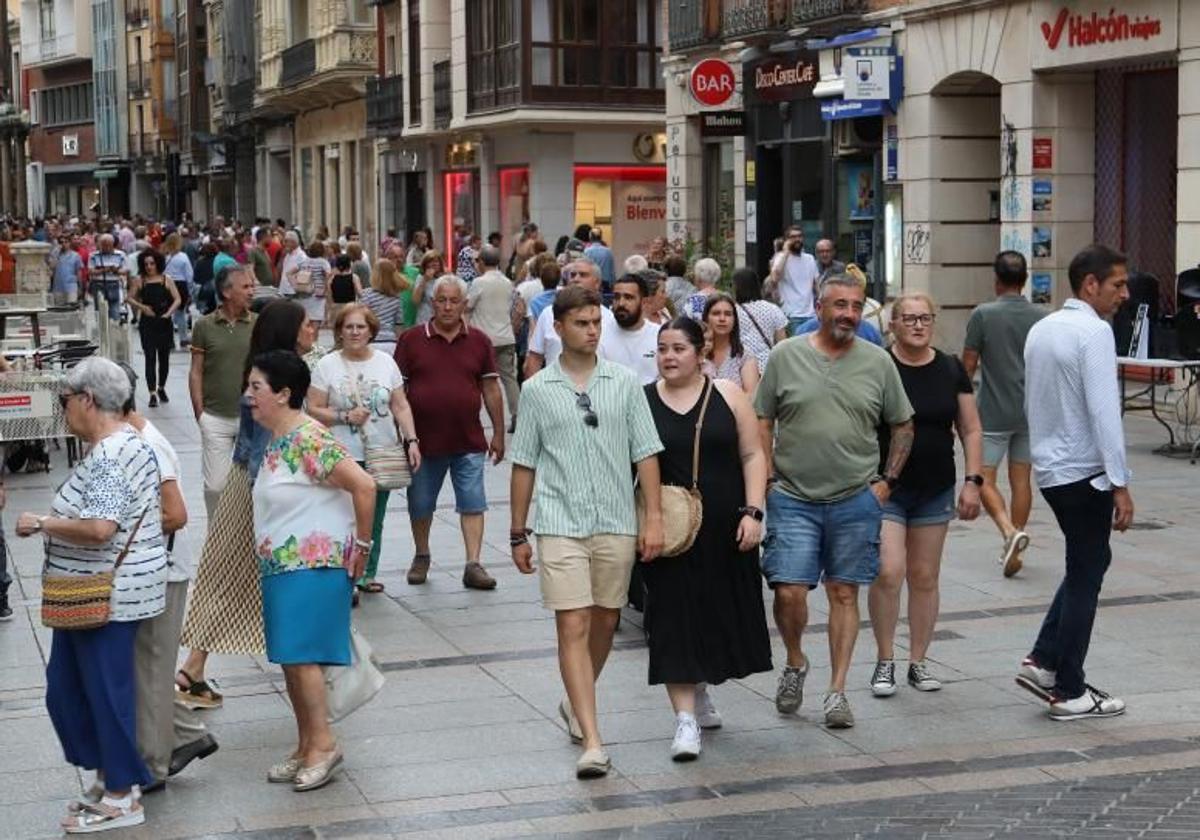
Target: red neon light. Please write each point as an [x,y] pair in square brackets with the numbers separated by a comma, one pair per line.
[452,183]
[655,174]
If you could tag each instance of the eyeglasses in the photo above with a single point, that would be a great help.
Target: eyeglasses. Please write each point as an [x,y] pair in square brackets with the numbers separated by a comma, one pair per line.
[913,320]
[65,398]
[589,416]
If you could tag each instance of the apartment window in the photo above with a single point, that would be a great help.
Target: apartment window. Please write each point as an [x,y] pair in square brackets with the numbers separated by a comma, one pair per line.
[65,105]
[46,19]
[306,188]
[494,52]
[297,21]
[389,56]
[360,12]
[414,62]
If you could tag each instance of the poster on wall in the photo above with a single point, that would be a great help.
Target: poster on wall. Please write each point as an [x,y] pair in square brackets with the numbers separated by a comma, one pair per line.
[639,213]
[1043,196]
[1043,243]
[1040,287]
[860,186]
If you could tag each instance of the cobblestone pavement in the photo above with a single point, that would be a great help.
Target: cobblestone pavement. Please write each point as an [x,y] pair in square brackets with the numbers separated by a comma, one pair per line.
[465,741]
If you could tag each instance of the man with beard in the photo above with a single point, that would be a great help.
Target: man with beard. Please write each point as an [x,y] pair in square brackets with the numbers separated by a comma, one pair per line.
[819,403]
[634,344]
[793,280]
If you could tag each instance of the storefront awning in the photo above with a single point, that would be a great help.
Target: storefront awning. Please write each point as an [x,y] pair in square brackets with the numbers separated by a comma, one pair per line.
[848,39]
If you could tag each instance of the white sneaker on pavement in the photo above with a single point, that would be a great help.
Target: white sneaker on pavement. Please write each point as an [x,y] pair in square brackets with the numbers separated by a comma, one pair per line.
[1093,703]
[1036,680]
[706,711]
[686,746]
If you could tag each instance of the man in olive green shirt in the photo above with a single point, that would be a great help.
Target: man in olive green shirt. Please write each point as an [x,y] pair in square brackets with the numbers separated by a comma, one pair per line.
[820,401]
[220,342]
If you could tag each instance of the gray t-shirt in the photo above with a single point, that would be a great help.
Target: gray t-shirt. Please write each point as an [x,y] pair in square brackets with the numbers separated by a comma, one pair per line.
[997,332]
[826,413]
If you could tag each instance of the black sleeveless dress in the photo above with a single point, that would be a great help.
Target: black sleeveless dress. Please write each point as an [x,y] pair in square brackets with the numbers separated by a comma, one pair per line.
[704,609]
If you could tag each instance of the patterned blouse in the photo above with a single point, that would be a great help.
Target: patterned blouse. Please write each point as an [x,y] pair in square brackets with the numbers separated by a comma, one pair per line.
[300,521]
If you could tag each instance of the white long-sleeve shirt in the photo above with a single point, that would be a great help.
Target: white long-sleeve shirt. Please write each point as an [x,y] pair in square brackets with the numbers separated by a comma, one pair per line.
[1072,399]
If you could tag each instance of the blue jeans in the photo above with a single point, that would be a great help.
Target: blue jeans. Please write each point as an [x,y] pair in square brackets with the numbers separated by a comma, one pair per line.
[795,323]
[466,474]
[1085,516]
[111,294]
[811,542]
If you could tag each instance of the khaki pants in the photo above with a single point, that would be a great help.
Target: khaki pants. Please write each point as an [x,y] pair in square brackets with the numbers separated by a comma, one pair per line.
[218,435]
[162,724]
[506,365]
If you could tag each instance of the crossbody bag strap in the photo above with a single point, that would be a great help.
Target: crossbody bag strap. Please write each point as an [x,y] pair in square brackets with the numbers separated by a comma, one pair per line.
[129,542]
[696,440]
[754,321]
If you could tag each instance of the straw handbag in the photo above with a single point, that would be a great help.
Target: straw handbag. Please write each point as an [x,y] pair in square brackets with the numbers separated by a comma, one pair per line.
[82,602]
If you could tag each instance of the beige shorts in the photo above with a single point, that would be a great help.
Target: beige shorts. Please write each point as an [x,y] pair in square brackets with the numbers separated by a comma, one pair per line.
[593,571]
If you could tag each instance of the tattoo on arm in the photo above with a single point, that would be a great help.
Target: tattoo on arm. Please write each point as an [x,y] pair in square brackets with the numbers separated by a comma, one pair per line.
[898,449]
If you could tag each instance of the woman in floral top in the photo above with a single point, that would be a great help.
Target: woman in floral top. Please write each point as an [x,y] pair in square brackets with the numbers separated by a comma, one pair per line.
[313,507]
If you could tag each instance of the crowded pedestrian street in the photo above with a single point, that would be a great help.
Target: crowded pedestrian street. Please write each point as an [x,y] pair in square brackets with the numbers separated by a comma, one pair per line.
[465,741]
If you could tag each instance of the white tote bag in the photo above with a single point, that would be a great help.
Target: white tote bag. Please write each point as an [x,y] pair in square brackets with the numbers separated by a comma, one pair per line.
[353,685]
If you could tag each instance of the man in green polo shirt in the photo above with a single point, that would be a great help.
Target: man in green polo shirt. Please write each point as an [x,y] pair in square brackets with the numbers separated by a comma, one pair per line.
[584,420]
[220,342]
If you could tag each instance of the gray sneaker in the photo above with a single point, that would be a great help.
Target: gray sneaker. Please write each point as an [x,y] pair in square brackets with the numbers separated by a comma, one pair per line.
[790,693]
[920,678]
[837,711]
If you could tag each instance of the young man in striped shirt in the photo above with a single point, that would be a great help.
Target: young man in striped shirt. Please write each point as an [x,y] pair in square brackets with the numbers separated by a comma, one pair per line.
[584,420]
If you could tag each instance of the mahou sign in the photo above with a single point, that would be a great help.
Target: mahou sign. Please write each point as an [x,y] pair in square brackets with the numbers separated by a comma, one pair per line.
[713,82]
[1088,31]
[788,77]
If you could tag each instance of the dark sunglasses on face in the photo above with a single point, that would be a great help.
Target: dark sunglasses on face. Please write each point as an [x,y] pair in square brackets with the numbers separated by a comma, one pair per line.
[589,417]
[65,397]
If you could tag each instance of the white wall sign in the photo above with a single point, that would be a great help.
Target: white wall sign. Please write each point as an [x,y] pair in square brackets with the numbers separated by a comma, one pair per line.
[26,405]
[639,213]
[1086,31]
[866,71]
[70,145]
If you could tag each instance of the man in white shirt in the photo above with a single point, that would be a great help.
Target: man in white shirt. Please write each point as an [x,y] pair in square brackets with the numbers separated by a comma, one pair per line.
[1073,403]
[634,344]
[490,308]
[544,345]
[793,280]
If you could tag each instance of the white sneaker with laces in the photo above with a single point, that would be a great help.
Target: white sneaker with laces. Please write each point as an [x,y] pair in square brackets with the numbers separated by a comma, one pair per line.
[706,711]
[1035,679]
[883,681]
[686,746]
[1093,703]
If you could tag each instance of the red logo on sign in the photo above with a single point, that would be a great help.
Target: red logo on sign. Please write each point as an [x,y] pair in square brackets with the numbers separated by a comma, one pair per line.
[1043,153]
[713,82]
[19,401]
[1083,31]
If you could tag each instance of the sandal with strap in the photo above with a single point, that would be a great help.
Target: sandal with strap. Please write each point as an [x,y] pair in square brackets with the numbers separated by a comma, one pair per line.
[104,815]
[373,587]
[198,694]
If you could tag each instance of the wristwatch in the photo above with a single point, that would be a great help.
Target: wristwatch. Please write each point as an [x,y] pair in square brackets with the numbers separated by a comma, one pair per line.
[890,481]
[974,478]
[518,536]
[753,512]
[41,523]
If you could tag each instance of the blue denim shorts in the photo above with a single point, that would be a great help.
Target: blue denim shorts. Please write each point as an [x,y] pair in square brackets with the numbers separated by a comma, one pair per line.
[810,542]
[913,508]
[466,474]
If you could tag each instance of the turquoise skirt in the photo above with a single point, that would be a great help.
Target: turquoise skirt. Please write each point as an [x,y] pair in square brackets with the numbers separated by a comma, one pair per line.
[306,617]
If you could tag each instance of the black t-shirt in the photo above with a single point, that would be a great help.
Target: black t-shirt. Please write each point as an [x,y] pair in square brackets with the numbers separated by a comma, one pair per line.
[933,390]
[341,288]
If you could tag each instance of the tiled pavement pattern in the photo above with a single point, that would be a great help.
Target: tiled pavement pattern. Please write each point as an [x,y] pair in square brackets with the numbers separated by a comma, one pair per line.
[464,742]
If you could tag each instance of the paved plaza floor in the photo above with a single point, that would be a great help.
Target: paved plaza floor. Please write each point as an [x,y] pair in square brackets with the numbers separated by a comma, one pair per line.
[465,742]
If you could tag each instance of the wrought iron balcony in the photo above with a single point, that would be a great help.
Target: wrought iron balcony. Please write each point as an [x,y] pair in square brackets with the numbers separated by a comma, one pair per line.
[385,102]
[815,11]
[299,62]
[687,24]
[443,108]
[740,18]
[137,13]
[143,144]
[138,75]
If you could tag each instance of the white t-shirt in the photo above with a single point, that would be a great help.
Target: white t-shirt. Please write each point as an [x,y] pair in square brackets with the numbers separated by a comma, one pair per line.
[181,564]
[546,341]
[369,383]
[290,260]
[636,349]
[528,290]
[796,284]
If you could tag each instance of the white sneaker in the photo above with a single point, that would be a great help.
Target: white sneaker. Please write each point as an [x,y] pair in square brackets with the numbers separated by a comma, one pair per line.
[706,712]
[1092,703]
[883,681]
[1036,680]
[686,746]
[1010,557]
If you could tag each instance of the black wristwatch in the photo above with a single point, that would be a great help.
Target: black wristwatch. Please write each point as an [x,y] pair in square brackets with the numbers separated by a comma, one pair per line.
[890,481]
[974,478]
[754,513]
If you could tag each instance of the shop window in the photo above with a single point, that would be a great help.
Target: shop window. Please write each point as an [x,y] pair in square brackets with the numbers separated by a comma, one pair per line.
[460,203]
[514,199]
[719,234]
[627,203]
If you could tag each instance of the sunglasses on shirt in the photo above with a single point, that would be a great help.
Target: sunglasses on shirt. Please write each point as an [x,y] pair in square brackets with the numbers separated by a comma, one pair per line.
[589,416]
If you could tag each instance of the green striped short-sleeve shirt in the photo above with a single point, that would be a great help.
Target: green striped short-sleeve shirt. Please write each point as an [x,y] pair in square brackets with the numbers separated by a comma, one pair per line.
[583,485]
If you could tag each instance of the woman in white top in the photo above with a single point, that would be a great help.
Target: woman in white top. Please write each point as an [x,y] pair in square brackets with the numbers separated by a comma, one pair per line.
[761,323]
[728,356]
[357,392]
[109,504]
[318,270]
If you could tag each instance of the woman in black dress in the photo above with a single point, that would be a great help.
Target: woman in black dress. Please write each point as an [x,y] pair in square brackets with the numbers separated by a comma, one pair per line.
[704,612]
[155,298]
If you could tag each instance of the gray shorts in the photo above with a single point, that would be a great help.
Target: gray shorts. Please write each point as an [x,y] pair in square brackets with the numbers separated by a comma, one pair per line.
[997,444]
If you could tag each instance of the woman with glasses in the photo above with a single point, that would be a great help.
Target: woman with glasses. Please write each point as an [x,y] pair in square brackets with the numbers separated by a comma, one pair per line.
[109,504]
[357,392]
[919,507]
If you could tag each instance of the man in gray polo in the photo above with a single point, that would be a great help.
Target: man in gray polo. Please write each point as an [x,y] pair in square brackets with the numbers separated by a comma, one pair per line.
[995,343]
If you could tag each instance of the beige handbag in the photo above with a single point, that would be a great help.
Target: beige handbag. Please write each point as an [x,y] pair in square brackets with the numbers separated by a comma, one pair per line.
[682,507]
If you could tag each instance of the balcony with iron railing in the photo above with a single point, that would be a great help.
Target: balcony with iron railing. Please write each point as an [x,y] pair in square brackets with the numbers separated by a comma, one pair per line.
[328,68]
[816,11]
[692,23]
[138,76]
[55,49]
[385,103]
[740,18]
[298,62]
[143,144]
[137,14]
[443,109]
